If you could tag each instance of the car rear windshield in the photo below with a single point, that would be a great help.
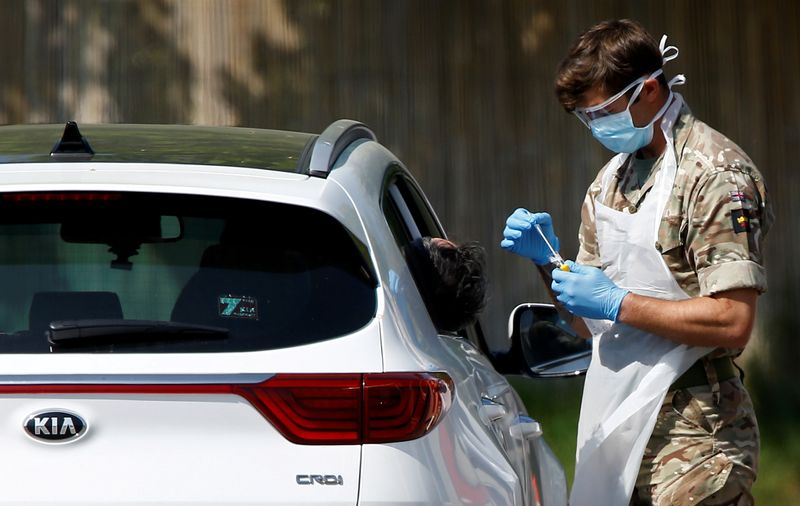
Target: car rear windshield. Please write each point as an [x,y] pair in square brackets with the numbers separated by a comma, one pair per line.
[146,272]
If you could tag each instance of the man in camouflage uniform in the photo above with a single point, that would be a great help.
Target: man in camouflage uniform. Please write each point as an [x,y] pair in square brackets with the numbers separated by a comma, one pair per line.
[705,444]
[704,448]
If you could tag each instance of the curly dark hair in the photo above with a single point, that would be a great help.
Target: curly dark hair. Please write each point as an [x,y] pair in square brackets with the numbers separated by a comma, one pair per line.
[612,54]
[452,279]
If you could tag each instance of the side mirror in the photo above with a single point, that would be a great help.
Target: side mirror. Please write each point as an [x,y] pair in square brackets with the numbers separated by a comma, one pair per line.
[544,345]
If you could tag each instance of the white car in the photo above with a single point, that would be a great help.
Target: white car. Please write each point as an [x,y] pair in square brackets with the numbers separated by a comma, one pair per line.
[225,316]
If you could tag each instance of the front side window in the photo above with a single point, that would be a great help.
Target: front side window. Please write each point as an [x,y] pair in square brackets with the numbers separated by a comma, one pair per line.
[141,272]
[409,217]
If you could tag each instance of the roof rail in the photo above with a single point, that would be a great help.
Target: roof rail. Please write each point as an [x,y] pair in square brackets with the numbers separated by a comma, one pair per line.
[333,141]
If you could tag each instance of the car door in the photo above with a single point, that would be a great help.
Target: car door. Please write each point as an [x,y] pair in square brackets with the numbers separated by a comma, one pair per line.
[489,394]
[504,413]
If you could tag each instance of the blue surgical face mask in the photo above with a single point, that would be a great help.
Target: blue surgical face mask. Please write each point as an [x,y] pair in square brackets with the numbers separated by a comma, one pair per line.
[617,131]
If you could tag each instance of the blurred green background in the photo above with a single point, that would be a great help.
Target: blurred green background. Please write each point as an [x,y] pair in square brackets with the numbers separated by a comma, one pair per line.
[555,403]
[461,90]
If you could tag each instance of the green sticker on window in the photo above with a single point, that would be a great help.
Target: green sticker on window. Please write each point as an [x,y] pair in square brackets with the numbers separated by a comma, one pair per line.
[238,306]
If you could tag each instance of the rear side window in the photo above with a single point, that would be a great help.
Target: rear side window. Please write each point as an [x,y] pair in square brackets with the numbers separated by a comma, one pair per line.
[137,272]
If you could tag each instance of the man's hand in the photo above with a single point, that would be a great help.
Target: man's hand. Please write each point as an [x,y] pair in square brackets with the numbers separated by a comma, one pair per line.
[586,291]
[521,237]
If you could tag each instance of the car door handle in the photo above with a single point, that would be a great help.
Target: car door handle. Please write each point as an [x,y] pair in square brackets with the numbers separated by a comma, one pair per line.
[526,428]
[491,410]
[497,390]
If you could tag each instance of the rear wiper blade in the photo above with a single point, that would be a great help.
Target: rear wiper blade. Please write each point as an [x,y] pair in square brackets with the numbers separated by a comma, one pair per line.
[92,332]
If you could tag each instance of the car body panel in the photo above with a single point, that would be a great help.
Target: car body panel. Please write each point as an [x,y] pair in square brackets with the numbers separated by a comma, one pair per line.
[360,351]
[138,446]
[453,465]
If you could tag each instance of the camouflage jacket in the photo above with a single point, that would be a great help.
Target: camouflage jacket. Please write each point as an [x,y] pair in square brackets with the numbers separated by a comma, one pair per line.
[712,230]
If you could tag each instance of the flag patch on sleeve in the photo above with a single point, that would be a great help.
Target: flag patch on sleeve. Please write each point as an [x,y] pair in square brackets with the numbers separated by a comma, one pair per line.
[741,220]
[737,196]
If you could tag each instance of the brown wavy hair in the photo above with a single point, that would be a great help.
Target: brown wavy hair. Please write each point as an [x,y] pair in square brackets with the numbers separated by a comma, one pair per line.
[452,281]
[612,54]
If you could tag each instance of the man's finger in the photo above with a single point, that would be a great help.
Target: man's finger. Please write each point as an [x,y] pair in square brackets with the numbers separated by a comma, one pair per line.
[558,275]
[542,219]
[518,223]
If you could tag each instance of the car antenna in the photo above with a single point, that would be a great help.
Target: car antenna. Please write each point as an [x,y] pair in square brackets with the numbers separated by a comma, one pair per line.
[72,145]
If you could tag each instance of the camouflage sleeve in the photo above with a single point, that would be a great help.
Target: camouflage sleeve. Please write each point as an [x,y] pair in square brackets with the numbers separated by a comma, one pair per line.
[727,218]
[588,251]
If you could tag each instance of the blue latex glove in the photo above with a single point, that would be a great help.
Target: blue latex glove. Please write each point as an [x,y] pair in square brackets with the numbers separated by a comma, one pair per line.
[587,291]
[521,237]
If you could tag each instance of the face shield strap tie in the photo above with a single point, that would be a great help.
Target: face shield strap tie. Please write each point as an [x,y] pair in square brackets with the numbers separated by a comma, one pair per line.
[678,80]
[668,53]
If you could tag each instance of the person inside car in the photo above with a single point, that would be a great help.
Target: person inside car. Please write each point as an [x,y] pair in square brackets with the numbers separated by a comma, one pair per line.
[451,278]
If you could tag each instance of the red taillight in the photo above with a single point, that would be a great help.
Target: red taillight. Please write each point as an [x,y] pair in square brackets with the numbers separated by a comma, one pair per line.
[61,196]
[352,408]
[399,407]
[315,408]
[311,408]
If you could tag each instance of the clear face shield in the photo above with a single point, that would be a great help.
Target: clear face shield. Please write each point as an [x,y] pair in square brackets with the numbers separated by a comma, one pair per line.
[607,108]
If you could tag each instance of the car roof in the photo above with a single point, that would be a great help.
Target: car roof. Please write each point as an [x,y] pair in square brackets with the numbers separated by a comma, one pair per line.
[281,166]
[181,144]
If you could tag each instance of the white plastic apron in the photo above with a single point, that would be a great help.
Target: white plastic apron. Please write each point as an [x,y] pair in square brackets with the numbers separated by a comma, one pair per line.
[631,370]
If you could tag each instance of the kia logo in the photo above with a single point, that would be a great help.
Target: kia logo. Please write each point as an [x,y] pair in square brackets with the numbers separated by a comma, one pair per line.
[55,426]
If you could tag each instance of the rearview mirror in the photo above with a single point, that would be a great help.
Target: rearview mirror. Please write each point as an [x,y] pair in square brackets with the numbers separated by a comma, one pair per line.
[112,228]
[546,346]
[124,232]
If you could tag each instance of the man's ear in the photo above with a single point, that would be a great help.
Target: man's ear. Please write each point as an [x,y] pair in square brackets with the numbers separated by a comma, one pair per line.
[651,90]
